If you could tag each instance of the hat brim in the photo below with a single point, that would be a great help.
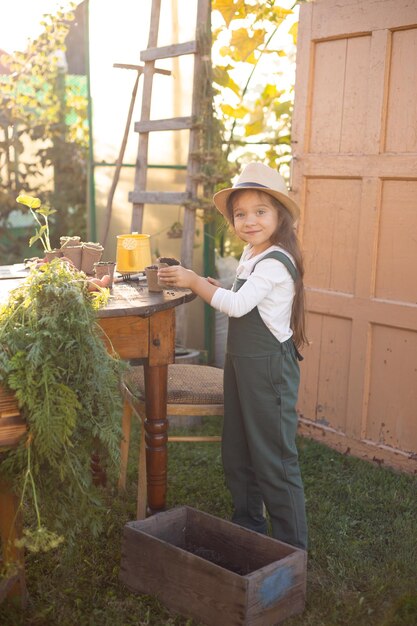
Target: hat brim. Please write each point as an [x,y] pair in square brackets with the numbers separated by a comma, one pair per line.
[220,199]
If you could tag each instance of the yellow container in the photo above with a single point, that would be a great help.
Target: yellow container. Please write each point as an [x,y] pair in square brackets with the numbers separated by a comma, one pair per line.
[133,252]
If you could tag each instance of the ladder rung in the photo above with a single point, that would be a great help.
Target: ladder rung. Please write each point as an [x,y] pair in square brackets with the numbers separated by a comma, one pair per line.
[139,68]
[175,123]
[166,52]
[158,197]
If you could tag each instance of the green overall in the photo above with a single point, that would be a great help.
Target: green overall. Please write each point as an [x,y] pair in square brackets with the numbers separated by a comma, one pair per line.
[260,460]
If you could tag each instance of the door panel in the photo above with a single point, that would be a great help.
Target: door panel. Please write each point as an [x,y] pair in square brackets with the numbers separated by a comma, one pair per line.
[354,176]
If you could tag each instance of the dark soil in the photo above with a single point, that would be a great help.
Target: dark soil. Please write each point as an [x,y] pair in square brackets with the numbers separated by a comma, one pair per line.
[217,559]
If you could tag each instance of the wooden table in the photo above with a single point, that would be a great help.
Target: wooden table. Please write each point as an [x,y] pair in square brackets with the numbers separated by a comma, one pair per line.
[141,325]
[137,325]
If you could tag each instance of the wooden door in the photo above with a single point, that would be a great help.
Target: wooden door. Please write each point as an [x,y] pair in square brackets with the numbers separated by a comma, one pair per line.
[355,177]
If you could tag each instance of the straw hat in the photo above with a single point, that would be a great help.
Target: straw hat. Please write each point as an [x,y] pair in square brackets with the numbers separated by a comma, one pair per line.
[261,178]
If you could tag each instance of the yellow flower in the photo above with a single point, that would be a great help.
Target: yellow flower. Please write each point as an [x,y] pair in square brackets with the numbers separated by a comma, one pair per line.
[29,201]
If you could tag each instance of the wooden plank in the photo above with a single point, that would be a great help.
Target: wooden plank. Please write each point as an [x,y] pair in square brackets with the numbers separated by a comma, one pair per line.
[401,135]
[162,338]
[359,165]
[129,341]
[374,135]
[330,233]
[141,170]
[355,94]
[329,60]
[158,197]
[175,123]
[202,69]
[12,429]
[195,439]
[334,18]
[167,52]
[391,409]
[277,591]
[195,409]
[139,68]
[364,449]
[300,123]
[374,311]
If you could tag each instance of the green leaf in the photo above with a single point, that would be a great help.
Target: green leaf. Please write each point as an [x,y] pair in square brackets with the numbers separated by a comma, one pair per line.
[46,211]
[29,201]
[34,239]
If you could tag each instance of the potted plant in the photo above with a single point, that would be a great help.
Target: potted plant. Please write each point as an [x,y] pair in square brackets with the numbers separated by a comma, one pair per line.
[53,358]
[40,214]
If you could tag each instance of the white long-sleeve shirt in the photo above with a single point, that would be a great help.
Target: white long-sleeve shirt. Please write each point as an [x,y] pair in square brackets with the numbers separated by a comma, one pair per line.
[269,287]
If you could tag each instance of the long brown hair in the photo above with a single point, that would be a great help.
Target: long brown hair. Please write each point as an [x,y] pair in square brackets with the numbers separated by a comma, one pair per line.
[286,237]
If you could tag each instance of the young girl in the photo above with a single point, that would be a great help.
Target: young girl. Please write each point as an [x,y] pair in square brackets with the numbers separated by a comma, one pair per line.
[261,372]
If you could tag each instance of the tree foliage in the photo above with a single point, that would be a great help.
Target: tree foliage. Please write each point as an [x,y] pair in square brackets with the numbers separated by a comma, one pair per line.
[254,99]
[40,153]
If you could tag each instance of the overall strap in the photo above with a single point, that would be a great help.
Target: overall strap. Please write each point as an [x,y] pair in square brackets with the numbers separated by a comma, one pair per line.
[282,258]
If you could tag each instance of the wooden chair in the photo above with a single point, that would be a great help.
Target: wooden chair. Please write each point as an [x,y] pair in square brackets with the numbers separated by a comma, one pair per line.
[192,390]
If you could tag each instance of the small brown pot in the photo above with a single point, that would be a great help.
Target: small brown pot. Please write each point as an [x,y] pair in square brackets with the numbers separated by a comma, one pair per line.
[152,277]
[91,254]
[53,254]
[104,268]
[74,254]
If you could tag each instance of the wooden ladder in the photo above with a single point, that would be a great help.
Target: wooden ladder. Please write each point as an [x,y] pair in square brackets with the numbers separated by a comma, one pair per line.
[201,48]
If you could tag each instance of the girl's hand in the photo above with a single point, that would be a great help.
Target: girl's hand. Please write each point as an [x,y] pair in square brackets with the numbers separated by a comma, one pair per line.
[213,281]
[177,276]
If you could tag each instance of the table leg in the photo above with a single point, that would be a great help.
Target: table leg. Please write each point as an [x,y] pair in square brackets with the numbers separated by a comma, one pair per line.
[156,427]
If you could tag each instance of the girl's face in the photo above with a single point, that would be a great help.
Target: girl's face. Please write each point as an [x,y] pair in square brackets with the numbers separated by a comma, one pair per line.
[255,219]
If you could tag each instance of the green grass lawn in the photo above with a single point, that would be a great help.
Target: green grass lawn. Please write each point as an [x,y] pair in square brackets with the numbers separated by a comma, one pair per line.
[362,565]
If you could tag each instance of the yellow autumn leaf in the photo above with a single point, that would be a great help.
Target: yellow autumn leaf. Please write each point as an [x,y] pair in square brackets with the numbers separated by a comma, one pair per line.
[228,9]
[238,112]
[254,127]
[280,13]
[294,32]
[271,91]
[221,77]
[244,44]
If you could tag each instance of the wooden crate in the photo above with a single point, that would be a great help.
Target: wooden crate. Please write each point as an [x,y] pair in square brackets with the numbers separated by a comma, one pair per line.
[212,570]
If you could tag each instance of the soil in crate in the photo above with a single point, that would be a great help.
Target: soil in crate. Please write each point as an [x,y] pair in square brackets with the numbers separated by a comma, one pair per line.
[217,559]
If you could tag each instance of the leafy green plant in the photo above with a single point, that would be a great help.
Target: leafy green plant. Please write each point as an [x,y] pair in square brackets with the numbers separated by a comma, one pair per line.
[67,385]
[38,211]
